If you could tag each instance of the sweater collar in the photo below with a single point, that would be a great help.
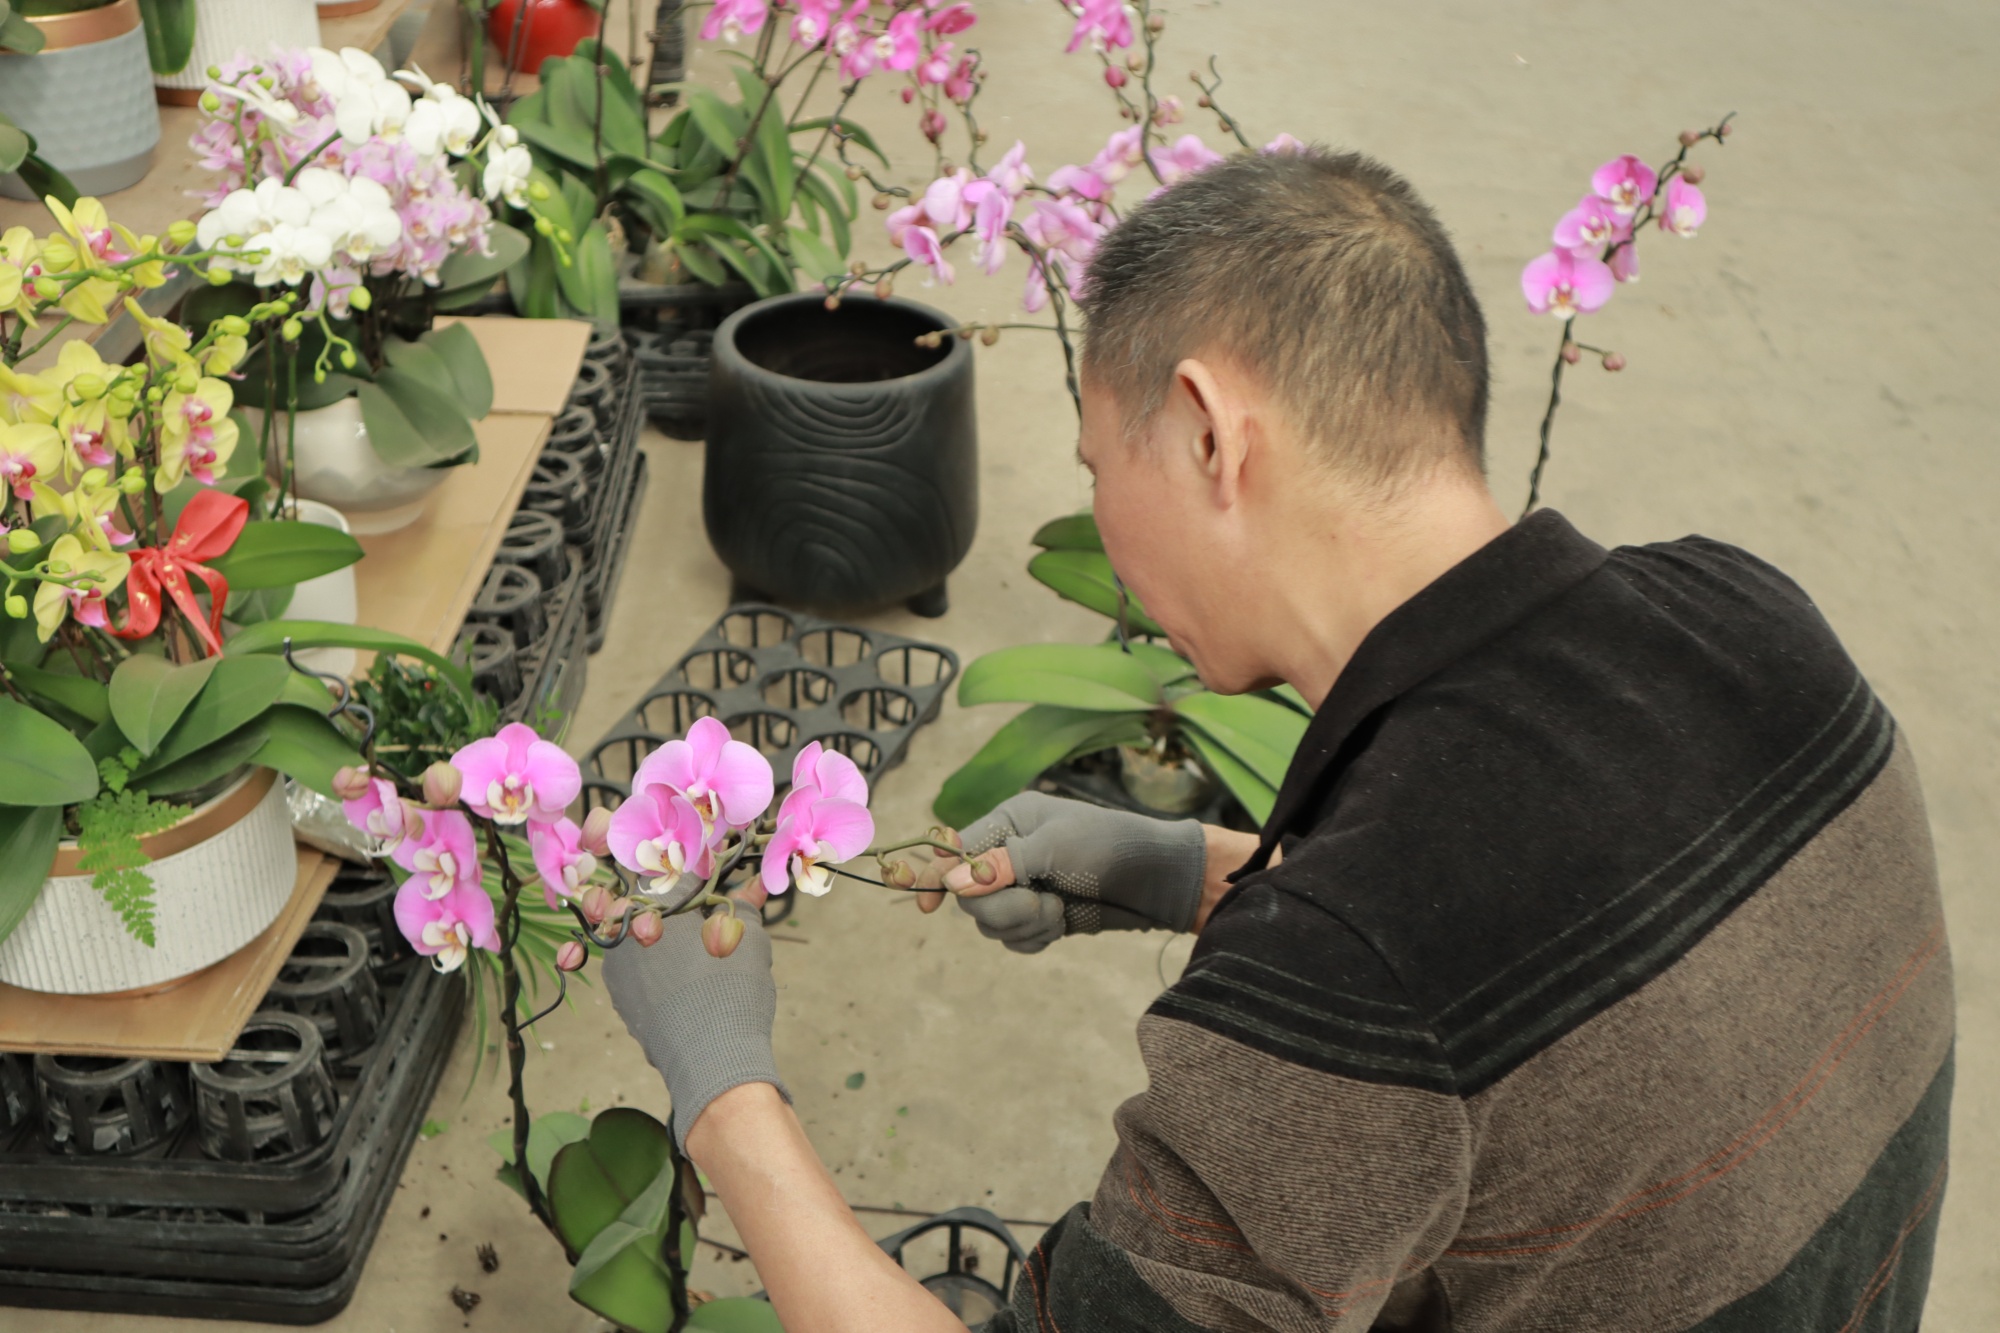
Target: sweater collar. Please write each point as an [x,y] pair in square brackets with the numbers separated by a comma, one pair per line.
[1478,599]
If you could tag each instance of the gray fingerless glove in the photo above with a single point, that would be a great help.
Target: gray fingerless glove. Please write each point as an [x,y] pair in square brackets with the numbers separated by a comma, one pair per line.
[1080,868]
[704,1022]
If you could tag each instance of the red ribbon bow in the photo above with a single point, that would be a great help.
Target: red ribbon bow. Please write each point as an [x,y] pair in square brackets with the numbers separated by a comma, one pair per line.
[208,527]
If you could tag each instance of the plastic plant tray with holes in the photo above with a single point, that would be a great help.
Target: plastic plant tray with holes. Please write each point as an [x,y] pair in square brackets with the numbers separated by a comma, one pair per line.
[778,680]
[552,670]
[606,569]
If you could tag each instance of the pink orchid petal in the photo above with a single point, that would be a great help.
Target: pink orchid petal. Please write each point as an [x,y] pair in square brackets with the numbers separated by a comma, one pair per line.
[844,826]
[742,779]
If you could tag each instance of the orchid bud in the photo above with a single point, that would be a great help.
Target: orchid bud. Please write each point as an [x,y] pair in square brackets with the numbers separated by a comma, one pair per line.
[1572,353]
[233,326]
[881,203]
[360,299]
[180,232]
[933,124]
[1156,23]
[58,567]
[1614,361]
[291,329]
[442,784]
[1114,76]
[89,388]
[595,904]
[1689,138]
[833,303]
[1722,130]
[319,376]
[720,934]
[984,871]
[20,541]
[213,71]
[133,482]
[596,835]
[989,335]
[646,929]
[347,358]
[1203,102]
[544,227]
[853,173]
[1693,174]
[909,94]
[210,103]
[350,783]
[188,378]
[571,957]
[1136,63]
[217,276]
[899,874]
[538,191]
[884,290]
[17,606]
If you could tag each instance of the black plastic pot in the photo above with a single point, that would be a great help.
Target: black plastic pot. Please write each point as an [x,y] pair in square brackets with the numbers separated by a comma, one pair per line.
[843,458]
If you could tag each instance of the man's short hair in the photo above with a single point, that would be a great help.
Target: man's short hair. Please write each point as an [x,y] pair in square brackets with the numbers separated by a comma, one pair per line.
[1322,272]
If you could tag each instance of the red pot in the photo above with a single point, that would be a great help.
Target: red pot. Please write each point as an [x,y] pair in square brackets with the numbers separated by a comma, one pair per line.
[552,28]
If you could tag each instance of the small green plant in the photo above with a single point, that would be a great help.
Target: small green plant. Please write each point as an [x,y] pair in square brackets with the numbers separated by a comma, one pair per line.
[420,717]
[109,828]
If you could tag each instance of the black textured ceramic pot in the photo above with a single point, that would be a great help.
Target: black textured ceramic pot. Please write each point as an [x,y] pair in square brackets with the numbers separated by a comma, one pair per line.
[843,459]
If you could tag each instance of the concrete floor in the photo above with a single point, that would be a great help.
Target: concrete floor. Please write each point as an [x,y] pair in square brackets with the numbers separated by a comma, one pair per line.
[1812,379]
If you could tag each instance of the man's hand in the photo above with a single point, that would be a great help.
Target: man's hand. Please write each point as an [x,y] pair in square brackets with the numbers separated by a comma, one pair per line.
[705,1023]
[1070,868]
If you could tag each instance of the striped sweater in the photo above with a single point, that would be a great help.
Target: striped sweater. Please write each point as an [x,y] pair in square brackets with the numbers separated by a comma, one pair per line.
[1601,985]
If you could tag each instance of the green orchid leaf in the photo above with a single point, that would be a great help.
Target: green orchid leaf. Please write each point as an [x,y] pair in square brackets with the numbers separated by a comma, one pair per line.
[623,118]
[654,197]
[465,359]
[80,695]
[148,695]
[700,261]
[304,746]
[593,1180]
[212,761]
[735,1314]
[547,1135]
[283,554]
[421,363]
[812,257]
[1072,532]
[1254,794]
[45,181]
[29,837]
[1096,677]
[169,33]
[1289,697]
[1168,667]
[15,143]
[532,284]
[847,127]
[269,638]
[620,1274]
[237,692]
[1017,754]
[1085,577]
[721,124]
[41,762]
[17,34]
[596,278]
[413,425]
[466,271]
[1261,734]
[571,147]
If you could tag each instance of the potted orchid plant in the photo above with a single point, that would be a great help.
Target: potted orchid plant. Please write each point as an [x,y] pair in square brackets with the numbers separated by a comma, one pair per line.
[143,727]
[366,196]
[480,831]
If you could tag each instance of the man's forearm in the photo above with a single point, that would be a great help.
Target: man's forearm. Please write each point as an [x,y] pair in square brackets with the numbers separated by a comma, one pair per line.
[824,1273]
[1227,849]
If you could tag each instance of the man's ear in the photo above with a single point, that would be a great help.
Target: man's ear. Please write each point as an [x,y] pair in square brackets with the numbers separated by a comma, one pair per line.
[1210,422]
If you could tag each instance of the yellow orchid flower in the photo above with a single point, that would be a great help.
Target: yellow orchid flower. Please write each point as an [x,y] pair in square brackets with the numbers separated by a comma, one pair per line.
[20,251]
[92,435]
[25,397]
[89,244]
[29,451]
[55,602]
[87,508]
[10,284]
[196,435]
[225,354]
[166,341]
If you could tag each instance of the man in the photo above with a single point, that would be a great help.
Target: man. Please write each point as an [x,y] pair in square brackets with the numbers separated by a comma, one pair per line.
[1589,973]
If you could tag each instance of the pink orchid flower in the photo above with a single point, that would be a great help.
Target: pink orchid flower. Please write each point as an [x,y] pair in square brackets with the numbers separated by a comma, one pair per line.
[726,782]
[89,446]
[1284,143]
[1187,156]
[1062,227]
[951,19]
[516,776]
[960,86]
[901,220]
[1035,292]
[1686,209]
[992,209]
[1624,262]
[945,206]
[901,45]
[1102,23]
[837,777]
[380,813]
[658,833]
[447,929]
[1593,224]
[1121,154]
[936,66]
[1079,181]
[560,858]
[731,19]
[1625,182]
[441,856]
[813,22]
[1565,284]
[815,831]
[921,244]
[1012,172]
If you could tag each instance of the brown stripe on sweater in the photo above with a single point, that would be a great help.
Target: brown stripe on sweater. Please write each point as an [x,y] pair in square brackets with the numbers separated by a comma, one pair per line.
[1236,1226]
[1680,1147]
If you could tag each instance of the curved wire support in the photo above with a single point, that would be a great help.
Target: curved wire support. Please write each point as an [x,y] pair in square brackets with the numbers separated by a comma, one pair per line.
[343,692]
[589,932]
[562,993]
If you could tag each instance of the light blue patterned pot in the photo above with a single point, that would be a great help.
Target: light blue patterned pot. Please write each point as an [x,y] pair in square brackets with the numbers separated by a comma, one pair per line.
[90,108]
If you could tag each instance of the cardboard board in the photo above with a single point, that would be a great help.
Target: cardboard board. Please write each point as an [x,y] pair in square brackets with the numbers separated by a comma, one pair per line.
[534,361]
[195,1019]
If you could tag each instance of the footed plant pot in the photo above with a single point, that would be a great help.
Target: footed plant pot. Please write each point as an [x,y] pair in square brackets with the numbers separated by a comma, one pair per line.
[220,878]
[336,464]
[87,97]
[843,459]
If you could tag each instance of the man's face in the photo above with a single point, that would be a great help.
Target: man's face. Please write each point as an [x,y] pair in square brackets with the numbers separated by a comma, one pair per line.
[1177,552]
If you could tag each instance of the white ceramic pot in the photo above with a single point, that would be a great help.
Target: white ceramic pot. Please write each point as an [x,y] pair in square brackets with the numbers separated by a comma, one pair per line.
[336,464]
[87,97]
[224,29]
[220,878]
[329,597]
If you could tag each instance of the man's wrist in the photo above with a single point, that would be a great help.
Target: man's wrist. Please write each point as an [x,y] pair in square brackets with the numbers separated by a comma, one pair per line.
[730,1113]
[1227,850]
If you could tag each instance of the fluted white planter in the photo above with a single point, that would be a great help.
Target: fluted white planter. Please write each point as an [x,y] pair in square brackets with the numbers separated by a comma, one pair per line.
[87,97]
[336,464]
[225,28]
[220,878]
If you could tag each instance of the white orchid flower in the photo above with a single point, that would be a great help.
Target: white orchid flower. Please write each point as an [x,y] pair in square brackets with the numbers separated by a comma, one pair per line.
[507,175]
[260,100]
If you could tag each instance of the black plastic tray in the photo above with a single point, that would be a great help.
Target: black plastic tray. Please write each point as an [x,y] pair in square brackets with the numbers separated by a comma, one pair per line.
[779,680]
[607,566]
